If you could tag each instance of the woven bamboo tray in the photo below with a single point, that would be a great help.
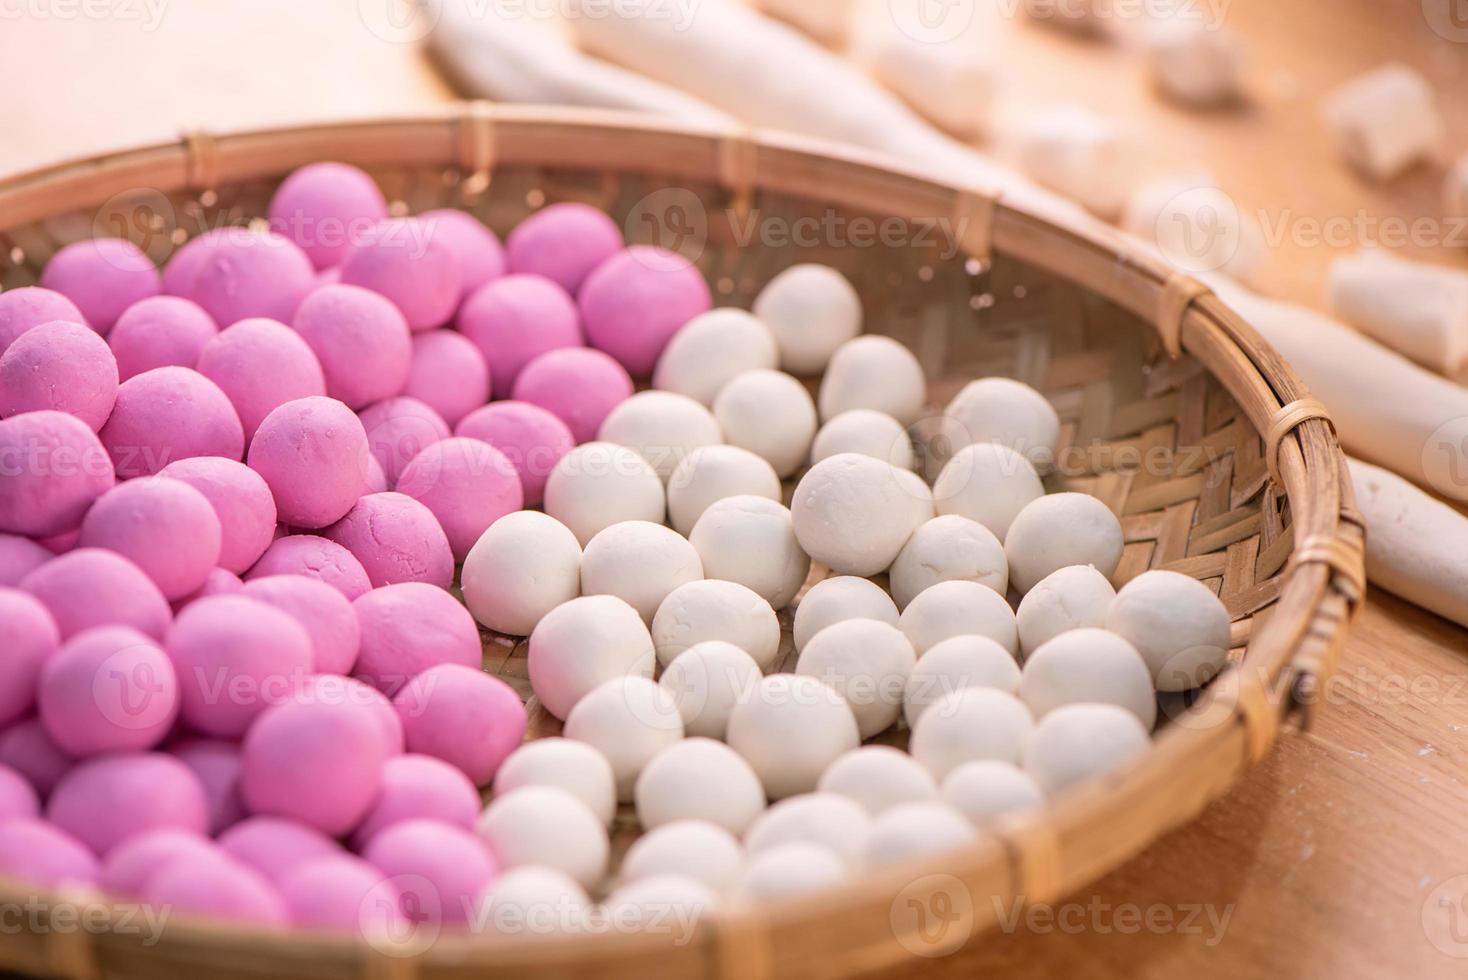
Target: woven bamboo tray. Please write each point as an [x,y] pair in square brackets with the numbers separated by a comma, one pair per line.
[1175,413]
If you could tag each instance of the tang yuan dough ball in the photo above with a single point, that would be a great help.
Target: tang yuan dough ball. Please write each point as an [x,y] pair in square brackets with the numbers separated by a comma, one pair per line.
[789,870]
[165,527]
[29,637]
[598,484]
[1058,530]
[56,467]
[396,539]
[864,431]
[948,548]
[578,385]
[464,717]
[958,608]
[467,484]
[792,728]
[128,868]
[103,277]
[971,723]
[988,789]
[697,848]
[37,853]
[27,748]
[160,331]
[532,439]
[1077,741]
[523,566]
[751,540]
[342,894]
[537,901]
[275,847]
[30,306]
[439,868]
[629,720]
[699,779]
[477,250]
[854,513]
[167,414]
[712,349]
[640,563]
[956,663]
[542,826]
[313,557]
[419,787]
[19,556]
[217,764]
[337,689]
[312,453]
[407,628]
[360,340]
[564,243]
[581,644]
[1008,412]
[1069,598]
[514,320]
[698,612]
[241,500]
[634,302]
[448,374]
[60,366]
[987,483]
[219,581]
[834,822]
[770,414]
[662,427]
[92,587]
[244,274]
[712,473]
[1177,624]
[398,430]
[260,365]
[110,689]
[876,373]
[837,599]
[706,681]
[911,830]
[572,766]
[878,777]
[323,612]
[867,663]
[324,207]
[1088,665]
[811,310]
[138,791]
[403,260]
[655,902]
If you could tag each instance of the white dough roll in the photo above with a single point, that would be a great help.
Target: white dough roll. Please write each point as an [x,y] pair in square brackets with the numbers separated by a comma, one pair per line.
[1416,308]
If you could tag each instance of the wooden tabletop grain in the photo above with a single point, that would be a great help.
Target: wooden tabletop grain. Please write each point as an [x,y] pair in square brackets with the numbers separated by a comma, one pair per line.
[1346,853]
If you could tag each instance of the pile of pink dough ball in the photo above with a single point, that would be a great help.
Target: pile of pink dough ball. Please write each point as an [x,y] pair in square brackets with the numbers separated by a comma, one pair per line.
[233,496]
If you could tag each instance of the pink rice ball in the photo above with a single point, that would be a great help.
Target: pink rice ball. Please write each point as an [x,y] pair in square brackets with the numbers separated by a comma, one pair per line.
[18,798]
[410,627]
[564,243]
[179,272]
[376,476]
[242,501]
[165,527]
[516,319]
[103,277]
[29,749]
[361,341]
[132,863]
[532,439]
[217,764]
[28,639]
[439,868]
[448,374]
[463,716]
[314,557]
[324,208]
[30,306]
[136,791]
[399,429]
[243,274]
[320,764]
[39,854]
[467,484]
[636,300]
[234,656]
[577,385]
[403,260]
[323,612]
[417,787]
[19,556]
[158,332]
[52,466]
[397,539]
[95,587]
[110,689]
[216,888]
[61,366]
[312,453]
[167,414]
[260,365]
[219,581]
[276,846]
[476,248]
[336,689]
[343,894]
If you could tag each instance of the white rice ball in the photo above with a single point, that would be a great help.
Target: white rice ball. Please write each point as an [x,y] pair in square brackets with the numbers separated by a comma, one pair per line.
[913,830]
[865,661]
[877,373]
[1009,413]
[790,731]
[838,599]
[988,483]
[533,901]
[584,643]
[811,310]
[1069,598]
[523,566]
[1082,740]
[640,563]
[866,432]
[547,827]
[710,350]
[988,789]
[789,870]
[751,540]
[662,427]
[948,548]
[878,777]
[710,474]
[668,904]
[954,664]
[598,484]
[706,681]
[770,414]
[1059,530]
[1088,665]
[958,608]
[834,822]
[969,724]
[713,609]
[1177,624]
[564,764]
[697,848]
[699,779]
[629,720]
[854,513]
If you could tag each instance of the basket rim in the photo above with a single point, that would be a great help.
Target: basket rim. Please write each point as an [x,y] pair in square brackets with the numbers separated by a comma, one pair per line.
[1287,661]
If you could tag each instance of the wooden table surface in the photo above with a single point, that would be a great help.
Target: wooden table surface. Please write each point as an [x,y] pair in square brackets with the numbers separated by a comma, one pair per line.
[1346,853]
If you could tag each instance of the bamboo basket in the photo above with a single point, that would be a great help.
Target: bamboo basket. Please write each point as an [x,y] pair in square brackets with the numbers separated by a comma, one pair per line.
[1175,413]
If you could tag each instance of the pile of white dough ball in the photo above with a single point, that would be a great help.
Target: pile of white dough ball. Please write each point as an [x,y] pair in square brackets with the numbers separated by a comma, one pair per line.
[977,614]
